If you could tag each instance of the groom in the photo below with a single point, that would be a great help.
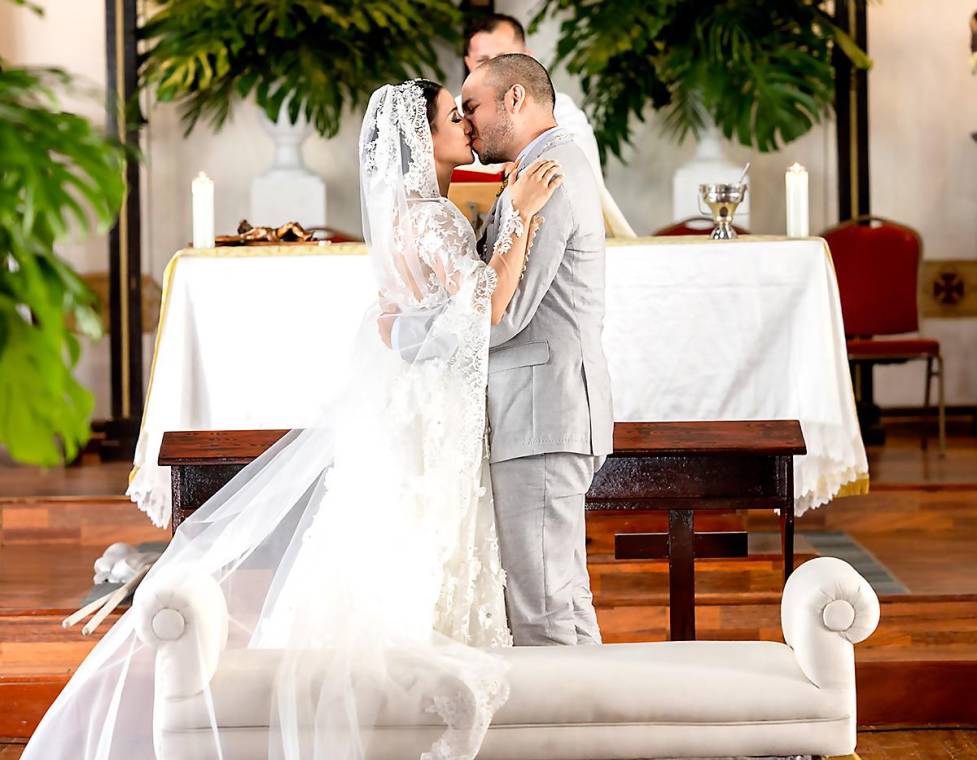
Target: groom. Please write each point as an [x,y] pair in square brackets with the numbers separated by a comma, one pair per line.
[549,401]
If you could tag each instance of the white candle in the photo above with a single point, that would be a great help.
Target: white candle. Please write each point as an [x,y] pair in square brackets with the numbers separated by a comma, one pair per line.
[203,211]
[798,221]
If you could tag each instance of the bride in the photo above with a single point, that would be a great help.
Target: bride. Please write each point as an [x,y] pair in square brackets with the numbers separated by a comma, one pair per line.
[364,546]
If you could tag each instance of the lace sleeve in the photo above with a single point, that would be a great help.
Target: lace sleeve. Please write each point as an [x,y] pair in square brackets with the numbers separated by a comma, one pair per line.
[510,227]
[446,244]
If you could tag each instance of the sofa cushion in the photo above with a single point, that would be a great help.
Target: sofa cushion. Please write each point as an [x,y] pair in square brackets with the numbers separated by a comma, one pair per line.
[683,683]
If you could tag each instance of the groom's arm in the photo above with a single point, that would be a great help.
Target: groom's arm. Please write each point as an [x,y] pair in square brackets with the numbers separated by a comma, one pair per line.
[410,335]
[545,256]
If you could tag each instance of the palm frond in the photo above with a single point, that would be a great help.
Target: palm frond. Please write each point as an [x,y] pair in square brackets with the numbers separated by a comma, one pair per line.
[318,58]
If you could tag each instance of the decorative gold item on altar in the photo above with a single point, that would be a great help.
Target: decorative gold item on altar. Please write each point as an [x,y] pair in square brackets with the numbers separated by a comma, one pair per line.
[290,232]
[722,200]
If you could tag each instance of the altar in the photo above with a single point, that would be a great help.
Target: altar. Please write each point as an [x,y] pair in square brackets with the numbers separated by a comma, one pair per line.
[695,330]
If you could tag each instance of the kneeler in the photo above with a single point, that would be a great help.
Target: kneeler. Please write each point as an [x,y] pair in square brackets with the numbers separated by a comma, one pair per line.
[677,468]
[708,467]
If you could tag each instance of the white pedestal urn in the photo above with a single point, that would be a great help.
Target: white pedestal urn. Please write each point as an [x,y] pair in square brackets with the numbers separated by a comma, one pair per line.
[287,191]
[707,166]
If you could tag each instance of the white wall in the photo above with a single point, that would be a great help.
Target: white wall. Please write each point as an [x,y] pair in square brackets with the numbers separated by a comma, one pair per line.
[922,109]
[923,106]
[41,41]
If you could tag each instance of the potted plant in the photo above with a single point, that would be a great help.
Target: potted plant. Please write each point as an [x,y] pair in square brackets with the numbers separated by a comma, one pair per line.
[58,175]
[760,70]
[303,62]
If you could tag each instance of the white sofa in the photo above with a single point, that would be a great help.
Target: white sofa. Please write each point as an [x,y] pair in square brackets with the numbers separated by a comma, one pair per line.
[655,700]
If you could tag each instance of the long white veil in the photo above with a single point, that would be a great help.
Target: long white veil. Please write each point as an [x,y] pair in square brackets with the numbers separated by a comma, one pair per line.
[364,545]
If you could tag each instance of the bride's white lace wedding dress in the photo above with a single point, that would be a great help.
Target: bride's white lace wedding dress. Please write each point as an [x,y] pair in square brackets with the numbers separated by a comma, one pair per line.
[365,541]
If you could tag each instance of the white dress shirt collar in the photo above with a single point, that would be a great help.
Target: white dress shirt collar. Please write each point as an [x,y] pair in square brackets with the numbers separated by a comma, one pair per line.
[539,138]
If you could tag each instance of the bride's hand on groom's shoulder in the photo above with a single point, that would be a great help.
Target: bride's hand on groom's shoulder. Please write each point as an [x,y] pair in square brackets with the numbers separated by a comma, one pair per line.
[535,185]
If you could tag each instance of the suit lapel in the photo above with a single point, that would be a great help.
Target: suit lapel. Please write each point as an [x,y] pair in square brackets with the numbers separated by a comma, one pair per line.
[486,244]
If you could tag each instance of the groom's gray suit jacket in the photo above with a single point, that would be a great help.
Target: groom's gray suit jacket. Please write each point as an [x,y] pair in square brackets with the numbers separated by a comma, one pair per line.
[548,386]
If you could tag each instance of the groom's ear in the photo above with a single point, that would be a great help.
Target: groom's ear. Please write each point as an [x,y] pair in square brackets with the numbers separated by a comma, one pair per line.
[516,98]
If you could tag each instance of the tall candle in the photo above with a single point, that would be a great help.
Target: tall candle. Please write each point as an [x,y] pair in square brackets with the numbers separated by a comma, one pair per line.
[203,211]
[798,221]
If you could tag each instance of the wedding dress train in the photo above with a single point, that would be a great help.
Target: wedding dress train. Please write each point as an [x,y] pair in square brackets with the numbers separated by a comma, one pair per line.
[363,542]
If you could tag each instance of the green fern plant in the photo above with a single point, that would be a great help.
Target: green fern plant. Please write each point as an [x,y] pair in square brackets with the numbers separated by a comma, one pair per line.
[319,57]
[58,174]
[761,70]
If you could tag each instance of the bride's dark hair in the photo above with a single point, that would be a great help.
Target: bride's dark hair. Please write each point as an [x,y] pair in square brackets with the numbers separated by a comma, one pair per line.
[430,90]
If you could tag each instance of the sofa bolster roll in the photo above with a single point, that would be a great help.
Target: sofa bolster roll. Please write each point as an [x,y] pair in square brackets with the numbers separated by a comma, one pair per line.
[183,616]
[827,607]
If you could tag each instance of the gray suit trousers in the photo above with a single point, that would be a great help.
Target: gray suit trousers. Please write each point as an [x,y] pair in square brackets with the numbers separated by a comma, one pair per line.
[539,507]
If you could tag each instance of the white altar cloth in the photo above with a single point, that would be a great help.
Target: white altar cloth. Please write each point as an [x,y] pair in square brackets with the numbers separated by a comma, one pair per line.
[695,330]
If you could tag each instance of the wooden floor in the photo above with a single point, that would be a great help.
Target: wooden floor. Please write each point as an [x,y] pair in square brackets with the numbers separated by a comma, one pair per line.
[917,745]
[903,461]
[920,522]
[90,479]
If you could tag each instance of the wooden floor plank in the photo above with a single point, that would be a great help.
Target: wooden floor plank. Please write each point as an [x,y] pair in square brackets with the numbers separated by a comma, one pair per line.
[946,744]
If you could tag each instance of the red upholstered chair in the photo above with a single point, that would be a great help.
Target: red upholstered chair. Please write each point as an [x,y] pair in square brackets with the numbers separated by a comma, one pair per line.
[877,263]
[694,225]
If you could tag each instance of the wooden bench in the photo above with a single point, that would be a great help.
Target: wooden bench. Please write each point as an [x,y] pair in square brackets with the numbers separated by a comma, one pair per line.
[677,467]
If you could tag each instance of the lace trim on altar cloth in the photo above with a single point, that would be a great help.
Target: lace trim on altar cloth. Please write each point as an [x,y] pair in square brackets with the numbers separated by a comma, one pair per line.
[150,491]
[841,469]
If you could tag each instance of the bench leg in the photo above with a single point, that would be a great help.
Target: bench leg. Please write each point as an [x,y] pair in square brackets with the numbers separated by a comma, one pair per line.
[787,517]
[787,539]
[681,575]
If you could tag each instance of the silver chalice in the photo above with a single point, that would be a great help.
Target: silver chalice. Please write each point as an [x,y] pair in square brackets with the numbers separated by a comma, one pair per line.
[722,200]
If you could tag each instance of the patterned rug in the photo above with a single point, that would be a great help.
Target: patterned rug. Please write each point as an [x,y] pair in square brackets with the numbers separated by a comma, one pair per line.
[834,543]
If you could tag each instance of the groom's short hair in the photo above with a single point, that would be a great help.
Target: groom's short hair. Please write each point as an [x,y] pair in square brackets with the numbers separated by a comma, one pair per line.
[504,71]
